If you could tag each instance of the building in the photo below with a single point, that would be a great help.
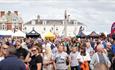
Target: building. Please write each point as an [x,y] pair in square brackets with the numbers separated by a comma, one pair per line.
[58,26]
[10,20]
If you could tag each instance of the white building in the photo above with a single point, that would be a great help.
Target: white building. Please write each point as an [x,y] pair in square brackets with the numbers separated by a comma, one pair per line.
[57,26]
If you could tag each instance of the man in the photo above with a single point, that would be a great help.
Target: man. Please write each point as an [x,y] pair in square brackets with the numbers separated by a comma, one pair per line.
[11,62]
[99,57]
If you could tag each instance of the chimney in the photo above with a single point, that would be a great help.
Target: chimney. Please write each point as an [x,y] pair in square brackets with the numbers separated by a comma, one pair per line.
[2,13]
[9,12]
[16,12]
[38,18]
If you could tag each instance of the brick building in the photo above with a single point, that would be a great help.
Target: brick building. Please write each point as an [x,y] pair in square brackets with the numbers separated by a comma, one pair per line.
[10,20]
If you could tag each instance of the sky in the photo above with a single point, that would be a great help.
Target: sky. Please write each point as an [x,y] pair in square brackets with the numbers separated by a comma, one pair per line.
[97,15]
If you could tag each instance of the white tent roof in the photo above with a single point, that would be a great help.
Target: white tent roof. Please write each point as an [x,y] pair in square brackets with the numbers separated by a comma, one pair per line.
[19,34]
[5,33]
[9,32]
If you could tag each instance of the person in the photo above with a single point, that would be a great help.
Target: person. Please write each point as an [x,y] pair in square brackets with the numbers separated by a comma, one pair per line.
[74,59]
[101,66]
[20,51]
[1,52]
[113,47]
[99,57]
[11,62]
[48,63]
[34,58]
[89,49]
[85,58]
[61,58]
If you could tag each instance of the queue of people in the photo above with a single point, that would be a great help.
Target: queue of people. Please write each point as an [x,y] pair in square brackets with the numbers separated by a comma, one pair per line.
[66,54]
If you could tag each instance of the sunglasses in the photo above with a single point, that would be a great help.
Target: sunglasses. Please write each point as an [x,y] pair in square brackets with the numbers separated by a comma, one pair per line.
[33,50]
[4,48]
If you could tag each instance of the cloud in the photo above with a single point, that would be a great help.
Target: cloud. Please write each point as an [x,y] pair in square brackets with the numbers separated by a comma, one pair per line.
[96,14]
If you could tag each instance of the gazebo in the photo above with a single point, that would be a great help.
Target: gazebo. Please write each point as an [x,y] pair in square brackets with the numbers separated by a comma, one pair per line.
[19,34]
[33,34]
[81,35]
[94,35]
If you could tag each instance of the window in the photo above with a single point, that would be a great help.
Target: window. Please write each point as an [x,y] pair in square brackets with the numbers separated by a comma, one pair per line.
[63,22]
[44,29]
[25,28]
[56,28]
[3,27]
[33,22]
[44,22]
[52,28]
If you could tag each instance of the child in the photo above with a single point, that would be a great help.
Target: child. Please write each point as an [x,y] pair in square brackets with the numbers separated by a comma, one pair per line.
[74,56]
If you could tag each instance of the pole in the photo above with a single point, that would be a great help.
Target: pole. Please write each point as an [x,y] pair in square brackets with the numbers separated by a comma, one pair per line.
[65,26]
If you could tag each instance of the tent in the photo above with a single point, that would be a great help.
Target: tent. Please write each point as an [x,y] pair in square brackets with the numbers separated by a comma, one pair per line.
[19,34]
[81,35]
[94,35]
[33,34]
[50,36]
[9,32]
[4,33]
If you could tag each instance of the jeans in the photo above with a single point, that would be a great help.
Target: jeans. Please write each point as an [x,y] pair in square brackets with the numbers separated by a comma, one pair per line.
[75,68]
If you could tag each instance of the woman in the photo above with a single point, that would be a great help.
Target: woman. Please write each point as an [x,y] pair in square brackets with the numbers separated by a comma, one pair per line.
[47,59]
[3,50]
[34,58]
[85,58]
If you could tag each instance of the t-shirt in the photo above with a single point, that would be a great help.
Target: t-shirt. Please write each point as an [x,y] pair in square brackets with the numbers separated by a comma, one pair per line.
[85,58]
[74,58]
[21,53]
[60,59]
[1,58]
[34,61]
[101,59]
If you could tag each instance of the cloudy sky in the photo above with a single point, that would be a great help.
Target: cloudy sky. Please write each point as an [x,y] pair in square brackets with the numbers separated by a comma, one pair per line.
[98,15]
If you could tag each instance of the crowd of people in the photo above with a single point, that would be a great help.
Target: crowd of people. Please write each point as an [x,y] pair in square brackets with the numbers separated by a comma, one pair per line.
[57,54]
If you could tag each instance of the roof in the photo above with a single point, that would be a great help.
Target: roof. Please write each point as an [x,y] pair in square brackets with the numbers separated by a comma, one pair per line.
[52,22]
[33,32]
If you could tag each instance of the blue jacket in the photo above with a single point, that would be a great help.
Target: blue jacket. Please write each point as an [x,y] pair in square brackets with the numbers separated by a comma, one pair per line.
[12,63]
[113,48]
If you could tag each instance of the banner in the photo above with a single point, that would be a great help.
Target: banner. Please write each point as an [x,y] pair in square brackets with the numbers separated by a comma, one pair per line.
[113,29]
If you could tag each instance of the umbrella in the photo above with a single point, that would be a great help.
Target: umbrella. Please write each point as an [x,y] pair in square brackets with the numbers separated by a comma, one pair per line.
[49,35]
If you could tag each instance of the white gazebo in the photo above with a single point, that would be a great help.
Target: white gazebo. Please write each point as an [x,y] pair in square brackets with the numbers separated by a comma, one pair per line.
[4,33]
[19,34]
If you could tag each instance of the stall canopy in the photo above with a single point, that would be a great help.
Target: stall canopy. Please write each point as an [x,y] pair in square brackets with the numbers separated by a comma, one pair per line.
[81,35]
[9,32]
[19,34]
[94,34]
[4,33]
[33,34]
[50,36]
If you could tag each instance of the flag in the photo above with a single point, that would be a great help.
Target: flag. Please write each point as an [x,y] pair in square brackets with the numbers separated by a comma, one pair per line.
[112,29]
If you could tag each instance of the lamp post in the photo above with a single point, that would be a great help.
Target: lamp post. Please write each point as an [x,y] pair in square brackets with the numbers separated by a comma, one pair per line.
[65,27]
